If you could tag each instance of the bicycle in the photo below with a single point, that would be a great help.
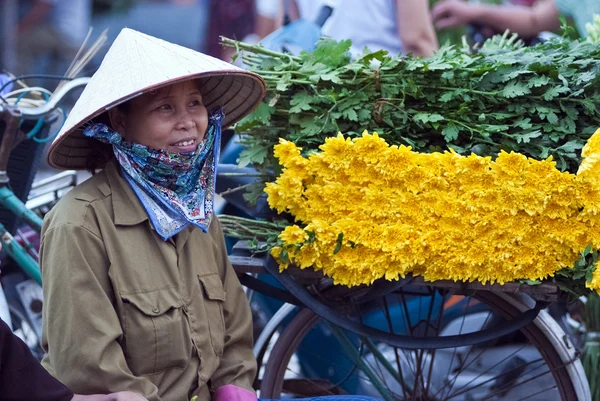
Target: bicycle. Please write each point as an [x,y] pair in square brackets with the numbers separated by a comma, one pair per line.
[459,341]
[21,278]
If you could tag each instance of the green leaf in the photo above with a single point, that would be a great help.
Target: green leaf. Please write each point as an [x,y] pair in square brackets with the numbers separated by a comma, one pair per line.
[555,91]
[527,136]
[253,155]
[284,256]
[301,102]
[590,106]
[254,192]
[589,274]
[531,282]
[538,81]
[260,116]
[332,53]
[524,123]
[571,146]
[447,97]
[586,77]
[377,55]
[439,65]
[515,89]
[552,118]
[450,132]
[428,117]
[338,243]
[350,114]
[448,75]
[331,76]
[363,114]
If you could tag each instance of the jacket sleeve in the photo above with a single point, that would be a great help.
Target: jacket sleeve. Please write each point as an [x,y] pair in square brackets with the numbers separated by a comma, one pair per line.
[237,369]
[81,329]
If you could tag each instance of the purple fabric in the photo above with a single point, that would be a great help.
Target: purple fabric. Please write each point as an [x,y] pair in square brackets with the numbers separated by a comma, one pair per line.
[231,392]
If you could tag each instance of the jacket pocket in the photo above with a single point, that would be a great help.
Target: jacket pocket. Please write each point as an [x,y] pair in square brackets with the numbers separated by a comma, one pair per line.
[214,298]
[156,331]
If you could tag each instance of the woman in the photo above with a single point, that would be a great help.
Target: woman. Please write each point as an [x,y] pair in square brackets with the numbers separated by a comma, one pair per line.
[139,294]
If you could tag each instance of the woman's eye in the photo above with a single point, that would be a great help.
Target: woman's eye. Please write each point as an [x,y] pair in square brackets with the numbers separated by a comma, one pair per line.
[165,107]
[196,103]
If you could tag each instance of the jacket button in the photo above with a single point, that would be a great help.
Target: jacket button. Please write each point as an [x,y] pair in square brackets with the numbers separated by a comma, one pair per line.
[155,310]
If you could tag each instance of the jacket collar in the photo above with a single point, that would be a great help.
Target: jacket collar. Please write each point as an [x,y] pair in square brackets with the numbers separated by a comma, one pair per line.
[127,208]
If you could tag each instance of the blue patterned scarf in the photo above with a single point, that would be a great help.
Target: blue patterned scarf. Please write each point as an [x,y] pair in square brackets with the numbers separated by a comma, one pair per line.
[176,189]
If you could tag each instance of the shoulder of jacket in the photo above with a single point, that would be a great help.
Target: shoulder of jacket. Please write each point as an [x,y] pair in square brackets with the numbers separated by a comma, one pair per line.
[74,207]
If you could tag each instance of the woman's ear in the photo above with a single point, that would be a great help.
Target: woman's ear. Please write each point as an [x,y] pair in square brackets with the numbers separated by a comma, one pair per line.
[117,120]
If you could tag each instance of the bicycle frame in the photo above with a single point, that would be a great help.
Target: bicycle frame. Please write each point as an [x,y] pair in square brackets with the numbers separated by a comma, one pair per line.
[8,200]
[12,136]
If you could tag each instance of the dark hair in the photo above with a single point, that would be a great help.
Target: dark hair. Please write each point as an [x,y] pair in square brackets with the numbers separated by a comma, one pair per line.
[100,155]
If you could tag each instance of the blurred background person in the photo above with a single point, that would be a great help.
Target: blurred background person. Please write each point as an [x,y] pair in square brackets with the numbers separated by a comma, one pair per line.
[398,26]
[231,18]
[49,33]
[526,21]
[266,15]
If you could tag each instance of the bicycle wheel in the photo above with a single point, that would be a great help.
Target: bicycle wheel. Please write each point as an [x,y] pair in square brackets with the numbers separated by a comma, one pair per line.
[537,363]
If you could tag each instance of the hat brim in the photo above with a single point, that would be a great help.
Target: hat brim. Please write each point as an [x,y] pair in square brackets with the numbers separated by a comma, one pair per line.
[238,93]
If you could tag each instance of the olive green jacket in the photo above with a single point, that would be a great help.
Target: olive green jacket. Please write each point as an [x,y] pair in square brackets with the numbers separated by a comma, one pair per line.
[125,310]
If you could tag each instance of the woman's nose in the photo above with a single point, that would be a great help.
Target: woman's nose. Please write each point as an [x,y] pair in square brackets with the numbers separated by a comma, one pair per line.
[185,121]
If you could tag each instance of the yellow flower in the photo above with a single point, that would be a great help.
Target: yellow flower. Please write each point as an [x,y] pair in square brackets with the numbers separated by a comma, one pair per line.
[293,235]
[377,211]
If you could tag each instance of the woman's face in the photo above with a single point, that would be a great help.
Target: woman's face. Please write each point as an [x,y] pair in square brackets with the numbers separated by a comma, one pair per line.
[172,118]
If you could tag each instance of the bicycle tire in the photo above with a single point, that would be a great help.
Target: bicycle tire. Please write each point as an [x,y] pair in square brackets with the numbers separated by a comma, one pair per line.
[544,333]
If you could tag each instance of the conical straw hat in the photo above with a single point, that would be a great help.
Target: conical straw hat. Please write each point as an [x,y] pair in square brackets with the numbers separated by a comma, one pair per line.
[137,63]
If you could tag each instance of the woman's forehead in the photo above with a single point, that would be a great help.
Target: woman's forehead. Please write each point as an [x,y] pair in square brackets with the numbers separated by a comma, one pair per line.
[185,87]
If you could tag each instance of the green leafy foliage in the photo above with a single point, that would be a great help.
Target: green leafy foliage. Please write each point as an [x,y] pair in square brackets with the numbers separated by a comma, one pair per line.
[572,279]
[540,101]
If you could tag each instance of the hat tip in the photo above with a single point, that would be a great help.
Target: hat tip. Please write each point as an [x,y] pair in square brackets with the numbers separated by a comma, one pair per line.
[129,31]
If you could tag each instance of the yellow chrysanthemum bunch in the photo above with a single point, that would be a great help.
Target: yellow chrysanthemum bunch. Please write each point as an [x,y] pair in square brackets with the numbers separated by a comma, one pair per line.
[369,210]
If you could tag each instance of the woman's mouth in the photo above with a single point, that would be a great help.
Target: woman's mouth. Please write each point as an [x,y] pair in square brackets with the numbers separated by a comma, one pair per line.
[184,146]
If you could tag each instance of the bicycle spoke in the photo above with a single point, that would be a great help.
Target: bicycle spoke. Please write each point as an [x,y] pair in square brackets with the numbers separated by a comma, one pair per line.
[378,360]
[511,386]
[349,348]
[496,377]
[493,366]
[437,333]
[538,393]
[334,365]
[400,375]
[406,314]
[454,350]
[419,383]
[470,349]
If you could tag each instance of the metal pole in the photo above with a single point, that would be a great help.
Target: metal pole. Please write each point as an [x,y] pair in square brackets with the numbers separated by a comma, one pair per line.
[10,201]
[20,255]
[10,15]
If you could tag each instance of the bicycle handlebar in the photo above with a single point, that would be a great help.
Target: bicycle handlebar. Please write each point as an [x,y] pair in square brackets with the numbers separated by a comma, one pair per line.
[33,113]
